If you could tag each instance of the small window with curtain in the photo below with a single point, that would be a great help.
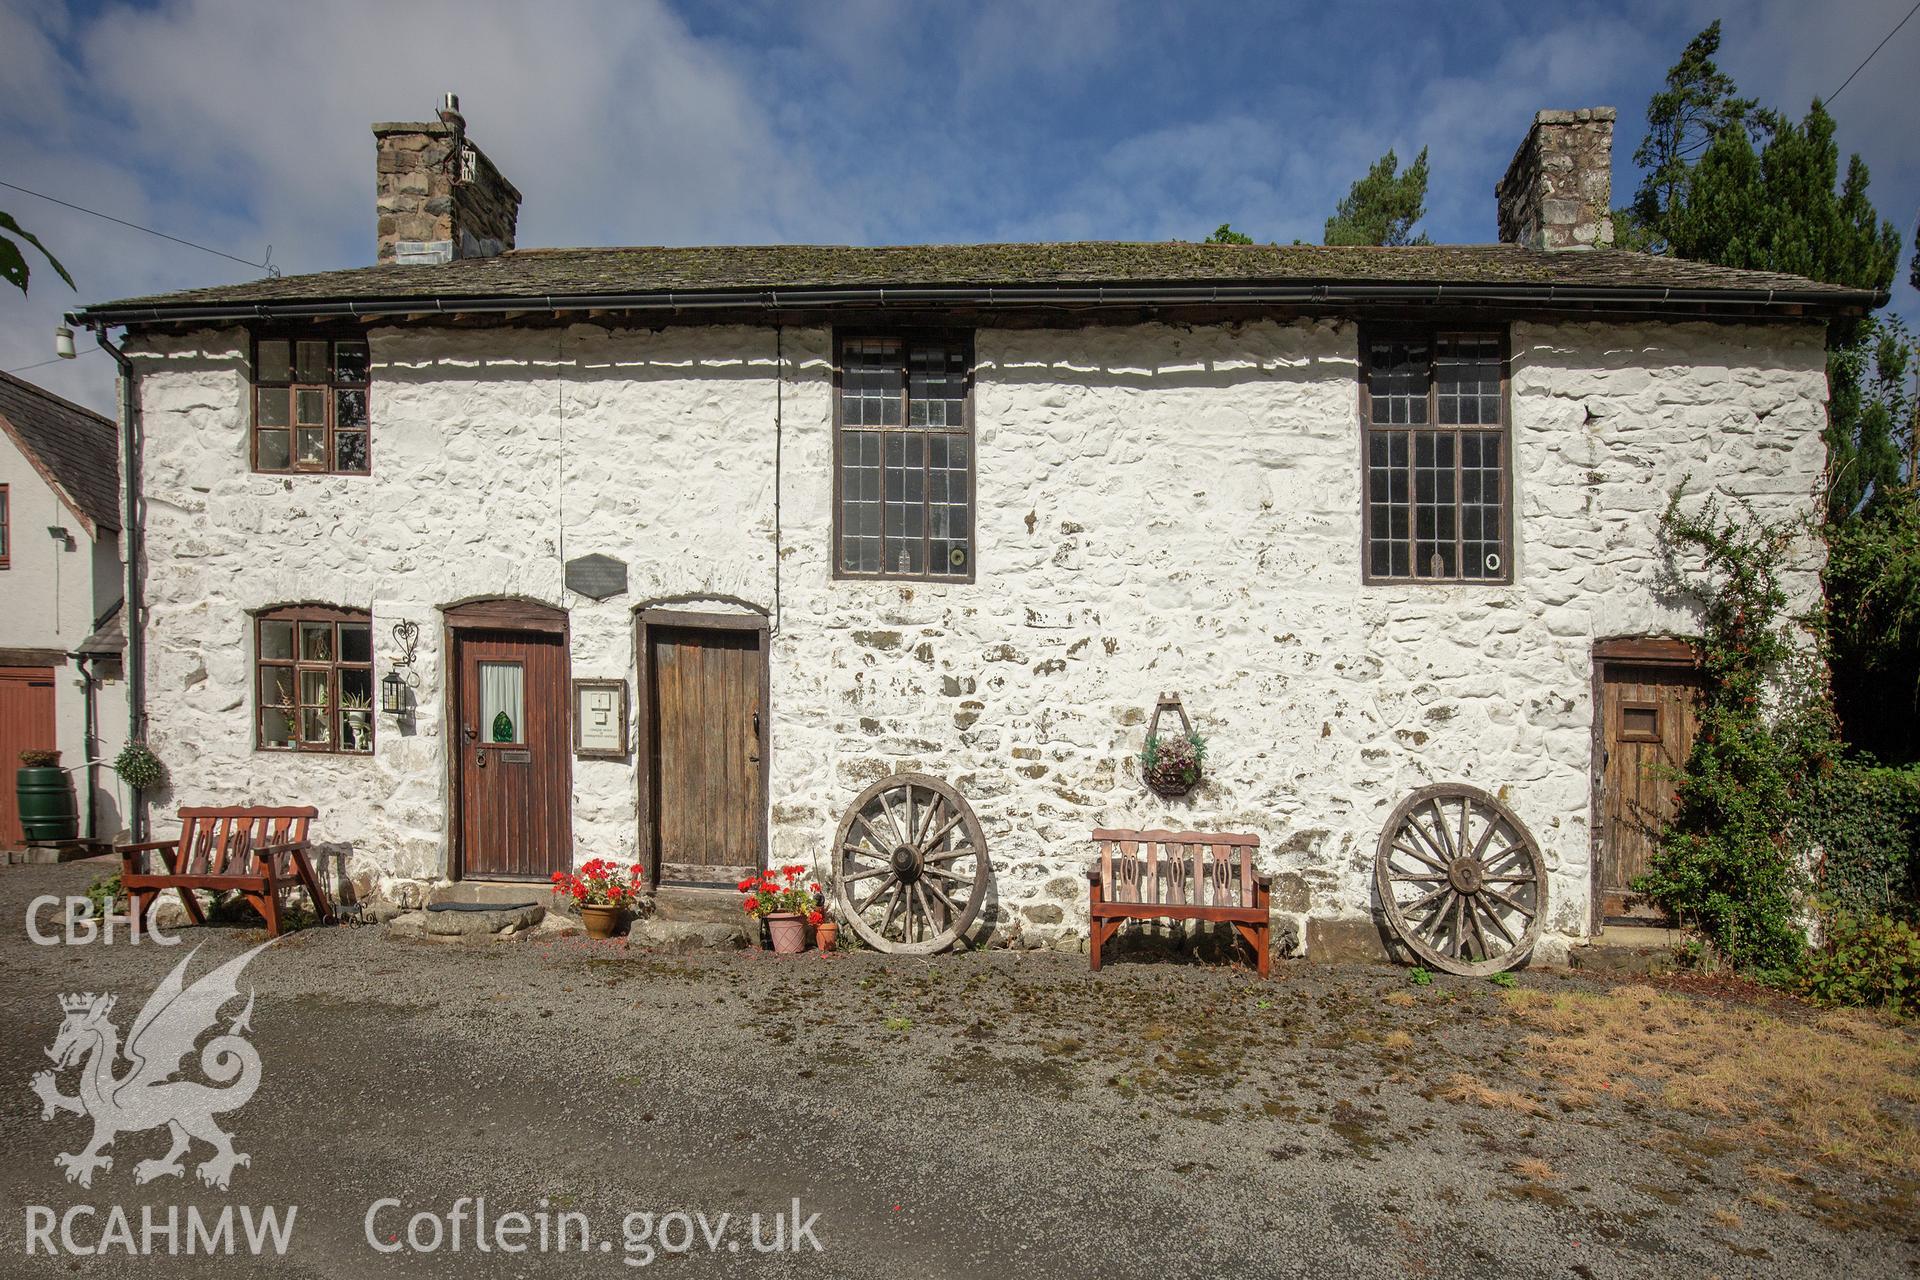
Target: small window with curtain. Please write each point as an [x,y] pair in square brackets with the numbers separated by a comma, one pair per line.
[314,680]
[1436,501]
[310,404]
[903,474]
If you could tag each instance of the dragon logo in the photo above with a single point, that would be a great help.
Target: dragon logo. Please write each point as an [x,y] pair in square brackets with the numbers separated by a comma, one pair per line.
[147,1095]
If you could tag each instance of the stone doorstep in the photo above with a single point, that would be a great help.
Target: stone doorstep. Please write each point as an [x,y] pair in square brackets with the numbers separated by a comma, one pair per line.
[48,852]
[703,906]
[505,892]
[480,926]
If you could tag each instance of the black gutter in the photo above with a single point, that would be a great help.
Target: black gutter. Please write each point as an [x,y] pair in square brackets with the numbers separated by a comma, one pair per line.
[136,665]
[990,296]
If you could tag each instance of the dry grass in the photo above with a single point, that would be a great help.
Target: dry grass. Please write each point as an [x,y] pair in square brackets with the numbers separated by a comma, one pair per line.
[1401,999]
[1532,1168]
[1461,1087]
[1843,1085]
[1724,1218]
[1398,1041]
[1765,1201]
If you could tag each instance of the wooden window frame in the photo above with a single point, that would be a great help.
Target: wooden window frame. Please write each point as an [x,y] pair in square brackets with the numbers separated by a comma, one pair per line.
[335,615]
[963,338]
[1432,334]
[329,392]
[1629,735]
[6,526]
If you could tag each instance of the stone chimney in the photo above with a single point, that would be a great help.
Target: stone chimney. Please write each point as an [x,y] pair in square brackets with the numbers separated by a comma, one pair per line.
[437,195]
[1559,188]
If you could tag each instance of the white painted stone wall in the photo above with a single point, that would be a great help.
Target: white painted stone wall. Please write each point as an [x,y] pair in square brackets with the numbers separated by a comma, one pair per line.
[1160,508]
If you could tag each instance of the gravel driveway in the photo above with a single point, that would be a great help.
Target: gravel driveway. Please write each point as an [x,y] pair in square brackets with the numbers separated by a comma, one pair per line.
[973,1114]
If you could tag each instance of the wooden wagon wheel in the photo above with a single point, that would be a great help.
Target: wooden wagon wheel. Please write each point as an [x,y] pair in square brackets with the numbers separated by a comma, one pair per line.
[912,865]
[1461,880]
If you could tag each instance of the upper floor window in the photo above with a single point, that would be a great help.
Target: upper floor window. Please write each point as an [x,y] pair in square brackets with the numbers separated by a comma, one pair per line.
[314,673]
[310,404]
[6,529]
[1437,503]
[903,458]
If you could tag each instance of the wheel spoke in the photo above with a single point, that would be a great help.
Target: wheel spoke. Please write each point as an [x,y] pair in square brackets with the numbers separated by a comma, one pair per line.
[1408,879]
[893,819]
[939,833]
[1412,852]
[1459,934]
[848,877]
[1500,924]
[950,855]
[893,909]
[931,810]
[1426,898]
[1473,918]
[881,847]
[875,896]
[1430,926]
[1426,838]
[1504,900]
[940,894]
[1440,830]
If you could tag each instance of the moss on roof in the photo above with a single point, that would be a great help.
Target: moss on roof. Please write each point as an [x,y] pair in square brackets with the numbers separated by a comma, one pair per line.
[542,273]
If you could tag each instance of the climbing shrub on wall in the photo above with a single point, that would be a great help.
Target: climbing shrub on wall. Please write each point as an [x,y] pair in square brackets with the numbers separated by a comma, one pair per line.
[1735,860]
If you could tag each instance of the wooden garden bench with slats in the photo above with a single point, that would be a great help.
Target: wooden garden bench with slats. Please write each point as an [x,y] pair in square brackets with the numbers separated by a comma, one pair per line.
[1178,875]
[257,851]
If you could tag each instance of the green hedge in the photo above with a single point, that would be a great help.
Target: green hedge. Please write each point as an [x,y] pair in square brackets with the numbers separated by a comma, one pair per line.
[1866,820]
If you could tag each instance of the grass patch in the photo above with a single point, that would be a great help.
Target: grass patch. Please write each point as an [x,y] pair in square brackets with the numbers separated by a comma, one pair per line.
[1461,1087]
[1844,1086]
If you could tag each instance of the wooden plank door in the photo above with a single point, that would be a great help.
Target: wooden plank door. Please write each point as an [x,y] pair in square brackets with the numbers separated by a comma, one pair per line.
[26,724]
[707,740]
[1649,716]
[514,757]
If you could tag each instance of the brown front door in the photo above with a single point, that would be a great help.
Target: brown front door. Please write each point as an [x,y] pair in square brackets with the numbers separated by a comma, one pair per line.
[706,746]
[26,724]
[513,748]
[1648,718]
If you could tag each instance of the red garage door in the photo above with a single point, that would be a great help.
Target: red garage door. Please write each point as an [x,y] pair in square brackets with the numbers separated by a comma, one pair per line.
[26,724]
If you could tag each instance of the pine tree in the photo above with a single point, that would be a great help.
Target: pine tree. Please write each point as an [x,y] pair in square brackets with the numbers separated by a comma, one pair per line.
[1698,105]
[1382,207]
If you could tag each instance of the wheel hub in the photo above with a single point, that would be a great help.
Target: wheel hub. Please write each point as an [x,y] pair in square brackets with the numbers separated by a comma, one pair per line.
[906,863]
[1466,875]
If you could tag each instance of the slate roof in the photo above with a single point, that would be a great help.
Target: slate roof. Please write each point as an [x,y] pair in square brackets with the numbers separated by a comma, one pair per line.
[545,275]
[75,450]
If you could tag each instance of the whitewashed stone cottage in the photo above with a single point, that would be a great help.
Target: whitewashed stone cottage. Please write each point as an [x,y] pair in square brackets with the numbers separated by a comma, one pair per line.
[700,542]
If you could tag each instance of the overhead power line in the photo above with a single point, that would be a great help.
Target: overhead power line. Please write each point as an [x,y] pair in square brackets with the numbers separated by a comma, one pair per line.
[80,208]
[41,364]
[1876,49]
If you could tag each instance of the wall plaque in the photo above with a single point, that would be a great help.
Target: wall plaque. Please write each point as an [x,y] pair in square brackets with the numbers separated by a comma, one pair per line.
[600,719]
[596,576]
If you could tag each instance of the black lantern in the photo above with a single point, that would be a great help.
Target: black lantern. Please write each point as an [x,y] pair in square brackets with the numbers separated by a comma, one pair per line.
[393,694]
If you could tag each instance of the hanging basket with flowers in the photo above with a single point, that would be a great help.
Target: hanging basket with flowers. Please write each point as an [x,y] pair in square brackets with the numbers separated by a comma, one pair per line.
[787,902]
[1172,763]
[604,891]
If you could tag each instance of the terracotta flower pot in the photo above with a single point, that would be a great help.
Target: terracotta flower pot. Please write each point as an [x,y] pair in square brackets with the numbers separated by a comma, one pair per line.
[825,934]
[601,918]
[788,929]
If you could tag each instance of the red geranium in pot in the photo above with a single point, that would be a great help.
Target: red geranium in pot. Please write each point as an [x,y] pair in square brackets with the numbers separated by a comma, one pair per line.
[784,902]
[604,891]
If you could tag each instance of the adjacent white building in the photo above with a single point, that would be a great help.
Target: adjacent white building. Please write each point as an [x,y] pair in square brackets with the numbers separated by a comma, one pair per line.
[671,552]
[61,636]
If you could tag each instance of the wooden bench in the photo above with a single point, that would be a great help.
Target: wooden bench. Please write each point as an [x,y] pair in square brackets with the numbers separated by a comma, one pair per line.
[257,851]
[1178,875]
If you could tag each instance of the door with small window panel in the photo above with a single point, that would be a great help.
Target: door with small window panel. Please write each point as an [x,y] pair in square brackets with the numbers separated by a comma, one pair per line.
[1649,715]
[510,722]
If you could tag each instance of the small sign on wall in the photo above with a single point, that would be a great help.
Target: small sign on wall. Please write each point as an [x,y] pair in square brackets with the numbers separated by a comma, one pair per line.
[600,719]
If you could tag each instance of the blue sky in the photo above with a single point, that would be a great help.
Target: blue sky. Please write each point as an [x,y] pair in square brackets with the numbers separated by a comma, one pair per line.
[243,125]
